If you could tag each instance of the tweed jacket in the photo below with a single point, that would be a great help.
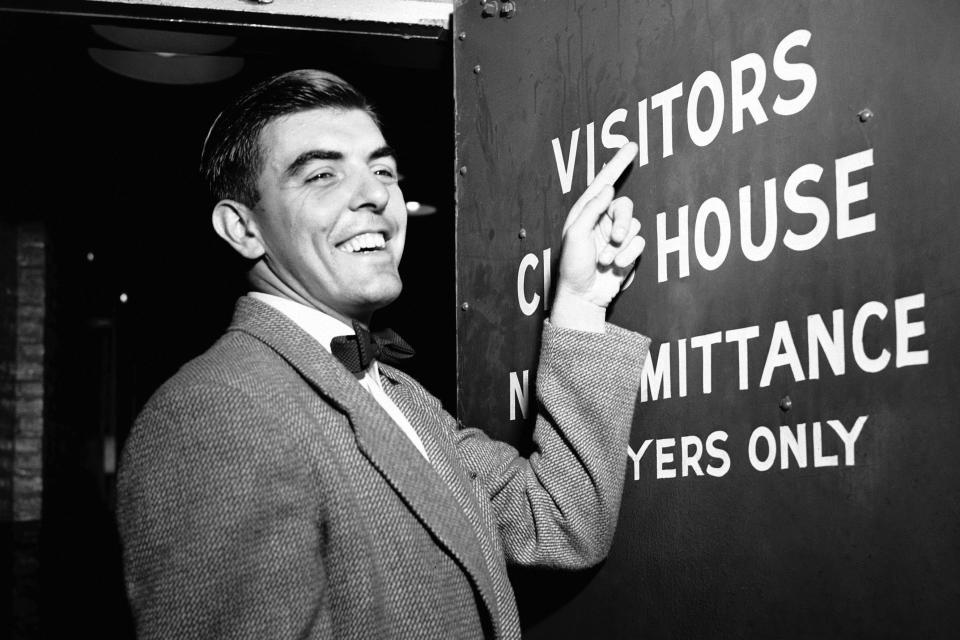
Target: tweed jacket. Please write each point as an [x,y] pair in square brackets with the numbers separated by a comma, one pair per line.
[263,493]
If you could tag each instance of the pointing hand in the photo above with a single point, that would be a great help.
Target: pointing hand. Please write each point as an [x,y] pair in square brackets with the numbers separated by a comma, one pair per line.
[601,244]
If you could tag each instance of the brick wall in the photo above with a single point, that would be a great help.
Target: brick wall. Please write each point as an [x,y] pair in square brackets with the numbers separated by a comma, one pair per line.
[22,331]
[8,364]
[29,373]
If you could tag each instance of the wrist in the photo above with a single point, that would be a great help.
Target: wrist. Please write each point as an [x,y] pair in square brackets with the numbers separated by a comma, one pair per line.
[572,311]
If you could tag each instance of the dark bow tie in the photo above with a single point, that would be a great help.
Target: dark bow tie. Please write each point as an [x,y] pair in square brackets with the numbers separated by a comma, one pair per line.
[356,352]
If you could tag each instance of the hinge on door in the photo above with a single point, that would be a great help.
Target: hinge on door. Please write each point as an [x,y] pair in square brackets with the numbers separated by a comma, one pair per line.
[502,8]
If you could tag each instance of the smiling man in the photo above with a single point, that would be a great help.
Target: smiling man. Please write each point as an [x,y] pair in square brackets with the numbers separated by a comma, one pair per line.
[290,482]
[328,228]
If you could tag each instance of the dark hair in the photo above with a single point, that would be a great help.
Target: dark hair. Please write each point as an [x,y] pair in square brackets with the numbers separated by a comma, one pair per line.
[232,159]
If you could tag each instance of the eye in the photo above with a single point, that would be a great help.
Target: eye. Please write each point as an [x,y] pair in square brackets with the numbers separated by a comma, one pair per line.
[322,175]
[387,174]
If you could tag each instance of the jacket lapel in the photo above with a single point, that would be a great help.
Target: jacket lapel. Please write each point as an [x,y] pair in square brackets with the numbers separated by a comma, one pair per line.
[440,449]
[383,443]
[409,396]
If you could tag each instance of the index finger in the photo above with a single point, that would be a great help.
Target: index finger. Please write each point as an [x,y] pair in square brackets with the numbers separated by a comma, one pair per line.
[612,171]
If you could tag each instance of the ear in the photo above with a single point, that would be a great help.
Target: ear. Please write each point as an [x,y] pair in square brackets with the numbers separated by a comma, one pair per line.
[233,221]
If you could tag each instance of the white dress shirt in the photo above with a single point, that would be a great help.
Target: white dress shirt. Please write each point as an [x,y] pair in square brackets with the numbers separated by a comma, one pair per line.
[324,328]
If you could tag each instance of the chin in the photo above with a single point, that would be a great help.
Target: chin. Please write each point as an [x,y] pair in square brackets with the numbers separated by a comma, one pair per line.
[383,294]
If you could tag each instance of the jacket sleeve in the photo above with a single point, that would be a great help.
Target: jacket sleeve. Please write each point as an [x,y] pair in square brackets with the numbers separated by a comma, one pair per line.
[560,506]
[218,525]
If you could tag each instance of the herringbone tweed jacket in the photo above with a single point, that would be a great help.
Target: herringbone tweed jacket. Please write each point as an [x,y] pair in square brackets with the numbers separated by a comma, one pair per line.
[263,493]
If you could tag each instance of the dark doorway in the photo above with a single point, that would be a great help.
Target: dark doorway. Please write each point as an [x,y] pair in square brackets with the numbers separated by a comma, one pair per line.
[137,283]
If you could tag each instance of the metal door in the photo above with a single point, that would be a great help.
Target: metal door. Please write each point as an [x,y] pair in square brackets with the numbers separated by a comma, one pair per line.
[792,466]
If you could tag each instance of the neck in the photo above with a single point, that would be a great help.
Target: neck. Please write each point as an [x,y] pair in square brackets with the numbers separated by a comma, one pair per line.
[272,285]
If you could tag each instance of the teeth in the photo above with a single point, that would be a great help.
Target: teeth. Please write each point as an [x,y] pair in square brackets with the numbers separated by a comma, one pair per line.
[363,241]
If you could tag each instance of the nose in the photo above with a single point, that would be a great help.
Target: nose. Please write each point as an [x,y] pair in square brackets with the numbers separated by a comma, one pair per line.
[370,193]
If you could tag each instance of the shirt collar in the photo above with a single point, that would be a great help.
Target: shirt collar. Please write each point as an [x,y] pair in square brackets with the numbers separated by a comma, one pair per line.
[321,326]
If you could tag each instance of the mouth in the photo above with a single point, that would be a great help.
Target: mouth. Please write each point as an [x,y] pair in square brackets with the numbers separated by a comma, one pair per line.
[368,242]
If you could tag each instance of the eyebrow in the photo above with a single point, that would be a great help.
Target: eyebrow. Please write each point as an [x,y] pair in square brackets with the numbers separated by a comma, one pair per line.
[385,151]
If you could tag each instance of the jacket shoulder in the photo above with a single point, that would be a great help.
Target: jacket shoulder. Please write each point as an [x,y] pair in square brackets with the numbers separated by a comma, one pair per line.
[227,394]
[236,359]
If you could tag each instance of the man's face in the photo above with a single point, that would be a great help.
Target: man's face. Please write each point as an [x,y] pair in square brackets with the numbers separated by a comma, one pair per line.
[331,215]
